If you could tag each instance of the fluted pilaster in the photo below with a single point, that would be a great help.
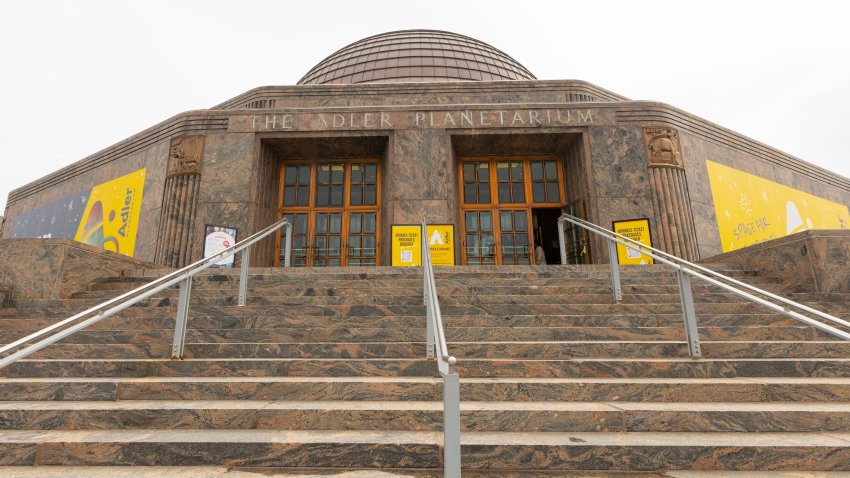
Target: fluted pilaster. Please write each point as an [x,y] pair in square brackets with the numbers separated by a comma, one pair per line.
[670,196]
[179,202]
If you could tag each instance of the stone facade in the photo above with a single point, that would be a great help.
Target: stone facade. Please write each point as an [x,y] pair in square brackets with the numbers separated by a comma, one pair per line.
[625,159]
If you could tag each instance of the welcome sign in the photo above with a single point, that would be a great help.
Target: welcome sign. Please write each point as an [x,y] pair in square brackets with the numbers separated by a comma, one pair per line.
[407,244]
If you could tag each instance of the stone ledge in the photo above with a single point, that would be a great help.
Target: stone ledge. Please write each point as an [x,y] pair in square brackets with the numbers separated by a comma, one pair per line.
[810,261]
[57,268]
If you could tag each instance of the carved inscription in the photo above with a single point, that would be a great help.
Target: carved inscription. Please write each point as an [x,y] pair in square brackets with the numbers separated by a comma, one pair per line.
[662,147]
[185,155]
[512,118]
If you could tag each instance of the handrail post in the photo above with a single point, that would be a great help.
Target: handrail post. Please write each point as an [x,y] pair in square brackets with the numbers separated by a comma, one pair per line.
[430,337]
[243,276]
[431,340]
[562,241]
[691,330]
[182,318]
[451,425]
[287,249]
[615,270]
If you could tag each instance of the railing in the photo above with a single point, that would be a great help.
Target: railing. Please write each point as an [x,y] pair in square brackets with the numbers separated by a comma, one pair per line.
[60,330]
[685,270]
[437,348]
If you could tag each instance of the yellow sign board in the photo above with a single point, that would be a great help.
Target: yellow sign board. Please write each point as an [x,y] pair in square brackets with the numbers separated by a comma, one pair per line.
[751,209]
[407,245]
[111,217]
[636,230]
[441,241]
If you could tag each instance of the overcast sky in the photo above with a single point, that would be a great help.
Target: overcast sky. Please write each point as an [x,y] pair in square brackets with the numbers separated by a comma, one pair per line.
[80,76]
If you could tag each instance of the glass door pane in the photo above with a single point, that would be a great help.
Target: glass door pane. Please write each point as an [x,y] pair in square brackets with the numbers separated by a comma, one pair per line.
[330,185]
[299,240]
[296,185]
[513,229]
[479,238]
[511,185]
[327,239]
[362,239]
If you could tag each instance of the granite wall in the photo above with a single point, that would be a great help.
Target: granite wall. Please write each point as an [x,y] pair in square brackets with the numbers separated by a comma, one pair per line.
[153,158]
[225,197]
[697,151]
[620,189]
[56,268]
[148,149]
[420,181]
[809,261]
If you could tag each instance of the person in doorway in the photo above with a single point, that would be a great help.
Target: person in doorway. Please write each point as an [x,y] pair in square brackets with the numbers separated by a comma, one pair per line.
[554,255]
[539,253]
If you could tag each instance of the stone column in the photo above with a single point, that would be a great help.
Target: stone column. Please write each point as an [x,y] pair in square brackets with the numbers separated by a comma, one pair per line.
[670,196]
[179,202]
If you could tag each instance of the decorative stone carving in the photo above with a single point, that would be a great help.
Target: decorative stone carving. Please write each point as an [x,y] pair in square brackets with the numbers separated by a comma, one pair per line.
[670,196]
[179,201]
[185,155]
[662,147]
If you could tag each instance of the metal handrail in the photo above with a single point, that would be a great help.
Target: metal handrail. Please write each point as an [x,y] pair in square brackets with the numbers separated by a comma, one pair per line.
[684,270]
[438,348]
[182,276]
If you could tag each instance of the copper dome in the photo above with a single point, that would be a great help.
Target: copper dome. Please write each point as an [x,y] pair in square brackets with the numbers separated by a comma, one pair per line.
[416,56]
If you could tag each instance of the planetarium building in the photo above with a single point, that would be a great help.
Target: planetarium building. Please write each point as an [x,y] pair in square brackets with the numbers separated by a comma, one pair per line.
[418,124]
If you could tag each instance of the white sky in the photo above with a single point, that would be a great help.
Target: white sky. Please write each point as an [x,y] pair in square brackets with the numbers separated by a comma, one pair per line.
[79,76]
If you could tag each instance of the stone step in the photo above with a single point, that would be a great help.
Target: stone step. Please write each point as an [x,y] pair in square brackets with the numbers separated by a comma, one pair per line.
[336,449]
[525,350]
[680,390]
[655,367]
[272,290]
[504,416]
[636,451]
[167,307]
[169,299]
[272,472]
[680,367]
[143,321]
[414,286]
[205,298]
[162,367]
[495,332]
[645,349]
[503,271]
[537,350]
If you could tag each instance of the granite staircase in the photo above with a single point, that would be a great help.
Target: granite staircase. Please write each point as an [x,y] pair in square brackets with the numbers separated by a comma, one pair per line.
[324,372]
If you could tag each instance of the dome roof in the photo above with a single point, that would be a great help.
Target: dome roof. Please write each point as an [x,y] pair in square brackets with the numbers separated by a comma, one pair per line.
[416,56]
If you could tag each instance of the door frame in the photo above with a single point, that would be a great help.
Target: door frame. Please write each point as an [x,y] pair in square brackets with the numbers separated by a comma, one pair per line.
[346,209]
[496,207]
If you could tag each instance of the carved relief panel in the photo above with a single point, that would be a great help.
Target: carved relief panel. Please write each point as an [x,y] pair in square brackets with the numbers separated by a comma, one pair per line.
[662,147]
[185,155]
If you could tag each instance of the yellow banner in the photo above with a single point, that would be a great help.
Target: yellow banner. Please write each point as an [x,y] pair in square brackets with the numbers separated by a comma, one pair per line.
[441,241]
[751,210]
[636,230]
[407,245]
[111,217]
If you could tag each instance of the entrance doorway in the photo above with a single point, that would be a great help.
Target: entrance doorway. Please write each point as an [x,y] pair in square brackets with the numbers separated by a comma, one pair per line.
[503,200]
[333,207]
[545,226]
